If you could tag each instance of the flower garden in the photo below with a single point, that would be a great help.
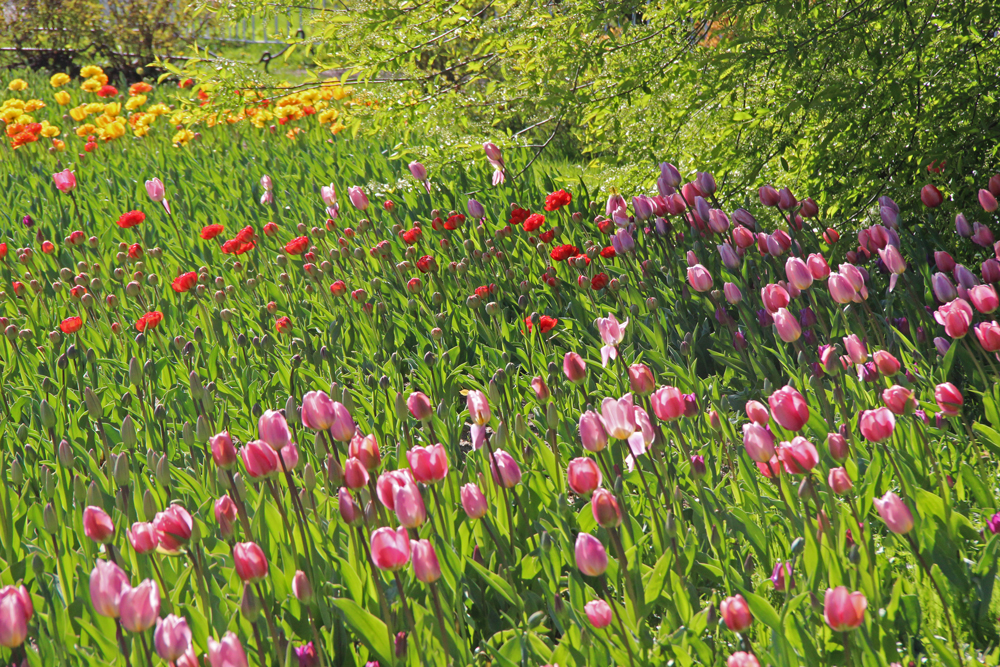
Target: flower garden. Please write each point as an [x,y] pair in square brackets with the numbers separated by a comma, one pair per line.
[272,395]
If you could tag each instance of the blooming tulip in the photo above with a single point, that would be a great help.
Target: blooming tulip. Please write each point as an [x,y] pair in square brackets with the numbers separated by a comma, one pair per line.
[419,405]
[365,449]
[612,333]
[899,400]
[798,457]
[473,501]
[619,416]
[107,584]
[97,525]
[390,548]
[789,408]
[142,537]
[798,273]
[258,457]
[355,474]
[887,364]
[598,613]
[593,433]
[699,278]
[358,197]
[65,180]
[758,442]
[173,527]
[318,411]
[140,606]
[787,326]
[226,653]
[736,613]
[172,637]
[742,659]
[956,317]
[591,558]
[479,408]
[878,424]
[429,464]
[984,298]
[583,476]
[844,610]
[274,429]
[949,399]
[839,481]
[16,609]
[250,562]
[988,334]
[223,452]
[389,482]
[668,403]
[757,412]
[641,379]
[774,297]
[506,472]
[425,562]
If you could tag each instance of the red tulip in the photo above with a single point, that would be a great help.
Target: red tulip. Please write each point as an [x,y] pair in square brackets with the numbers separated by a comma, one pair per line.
[223,451]
[389,482]
[598,613]
[249,561]
[97,525]
[591,558]
[173,526]
[988,334]
[366,450]
[984,298]
[774,297]
[429,464]
[844,610]
[789,408]
[355,474]
[184,282]
[390,548]
[887,364]
[949,399]
[668,403]
[877,425]
[583,475]
[736,613]
[605,509]
[931,196]
[71,325]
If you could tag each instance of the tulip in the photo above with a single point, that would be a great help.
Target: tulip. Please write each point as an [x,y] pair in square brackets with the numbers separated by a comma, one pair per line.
[329,195]
[949,399]
[473,501]
[944,290]
[779,574]
[840,288]
[97,525]
[429,464]
[798,273]
[591,558]
[605,509]
[349,510]
[729,257]
[598,613]
[274,429]
[140,606]
[389,482]
[476,210]
[670,174]
[798,457]
[619,417]
[593,433]
[419,405]
[962,226]
[732,293]
[575,368]
[768,195]
[982,235]
[736,613]
[757,412]
[955,316]
[988,334]
[899,400]
[774,297]
[837,446]
[16,610]
[250,562]
[425,562]
[641,379]
[318,411]
[700,278]
[758,442]
[223,452]
[107,584]
[506,472]
[226,653]
[931,196]
[878,424]
[990,270]
[856,349]
[418,171]
[355,474]
[157,193]
[258,457]
[172,638]
[987,201]
[743,237]
[789,408]
[540,388]
[742,659]
[301,587]
[844,610]
[668,403]
[479,407]
[839,481]
[583,476]
[887,364]
[493,152]
[143,537]
[612,333]
[390,548]
[984,298]
[225,515]
[358,197]
[787,326]
[173,527]
[65,180]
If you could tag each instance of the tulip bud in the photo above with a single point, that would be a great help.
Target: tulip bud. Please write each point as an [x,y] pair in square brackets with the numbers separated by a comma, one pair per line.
[149,505]
[65,455]
[94,408]
[163,472]
[121,470]
[47,415]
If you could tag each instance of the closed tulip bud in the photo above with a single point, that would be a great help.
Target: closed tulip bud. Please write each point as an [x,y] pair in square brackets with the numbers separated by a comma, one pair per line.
[93,403]
[301,587]
[121,470]
[97,525]
[962,226]
[844,610]
[49,521]
[591,557]
[736,613]
[641,379]
[163,472]
[605,509]
[574,368]
[65,455]
[128,435]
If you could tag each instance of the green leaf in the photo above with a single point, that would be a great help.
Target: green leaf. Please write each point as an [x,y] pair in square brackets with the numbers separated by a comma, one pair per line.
[368,628]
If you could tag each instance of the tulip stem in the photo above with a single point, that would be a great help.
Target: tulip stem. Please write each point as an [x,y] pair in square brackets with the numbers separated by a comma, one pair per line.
[944,602]
[272,630]
[440,616]
[240,506]
[145,649]
[289,533]
[207,611]
[260,644]
[163,585]
[501,547]
[409,617]
[623,561]
[121,641]
[847,649]
[621,624]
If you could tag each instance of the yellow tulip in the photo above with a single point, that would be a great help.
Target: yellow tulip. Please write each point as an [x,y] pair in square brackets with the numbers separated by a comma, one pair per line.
[89,71]
[59,79]
[17,85]
[62,97]
[135,102]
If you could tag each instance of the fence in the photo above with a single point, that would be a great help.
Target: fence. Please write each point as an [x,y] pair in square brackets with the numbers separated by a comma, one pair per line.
[273,30]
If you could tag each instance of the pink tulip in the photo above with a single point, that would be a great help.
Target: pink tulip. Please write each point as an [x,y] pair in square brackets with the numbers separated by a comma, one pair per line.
[365,449]
[97,525]
[226,653]
[225,514]
[742,659]
[479,408]
[987,201]
[140,606]
[736,613]
[899,400]
[844,610]
[409,505]
[787,326]
[818,267]
[349,510]
[768,195]
[173,526]
[223,451]
[429,464]
[249,561]
[419,405]
[944,261]
[837,446]
[598,613]
[612,333]
[574,367]
[425,562]
[990,270]
[668,403]
[390,548]
[506,472]
[16,610]
[593,433]
[982,235]
[856,349]
[840,288]
[157,193]
[619,416]
[358,197]
[389,482]
[878,424]
[955,317]
[65,180]
[143,537]
[699,278]
[301,587]
[988,334]
[258,457]
[317,411]
[798,273]
[172,638]
[107,584]
[329,196]
[473,501]
[789,408]
[605,509]
[641,379]
[931,196]
[274,429]
[355,474]
[779,574]
[786,200]
[758,442]
[892,259]
[757,412]
[743,237]
[798,457]
[984,298]
[189,659]
[839,481]
[583,476]
[887,364]
[774,297]
[732,293]
[729,257]
[895,513]
[949,399]
[591,558]
[942,287]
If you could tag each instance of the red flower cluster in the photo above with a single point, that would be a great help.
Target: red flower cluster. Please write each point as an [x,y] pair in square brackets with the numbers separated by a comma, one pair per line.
[533,222]
[545,324]
[245,241]
[411,236]
[70,325]
[135,251]
[518,215]
[426,263]
[454,222]
[139,88]
[211,231]
[605,226]
[107,91]
[149,321]
[283,325]
[608,252]
[23,134]
[184,282]
[484,291]
[131,219]
[557,200]
[338,288]
[297,245]
[600,281]
[563,252]
[546,237]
